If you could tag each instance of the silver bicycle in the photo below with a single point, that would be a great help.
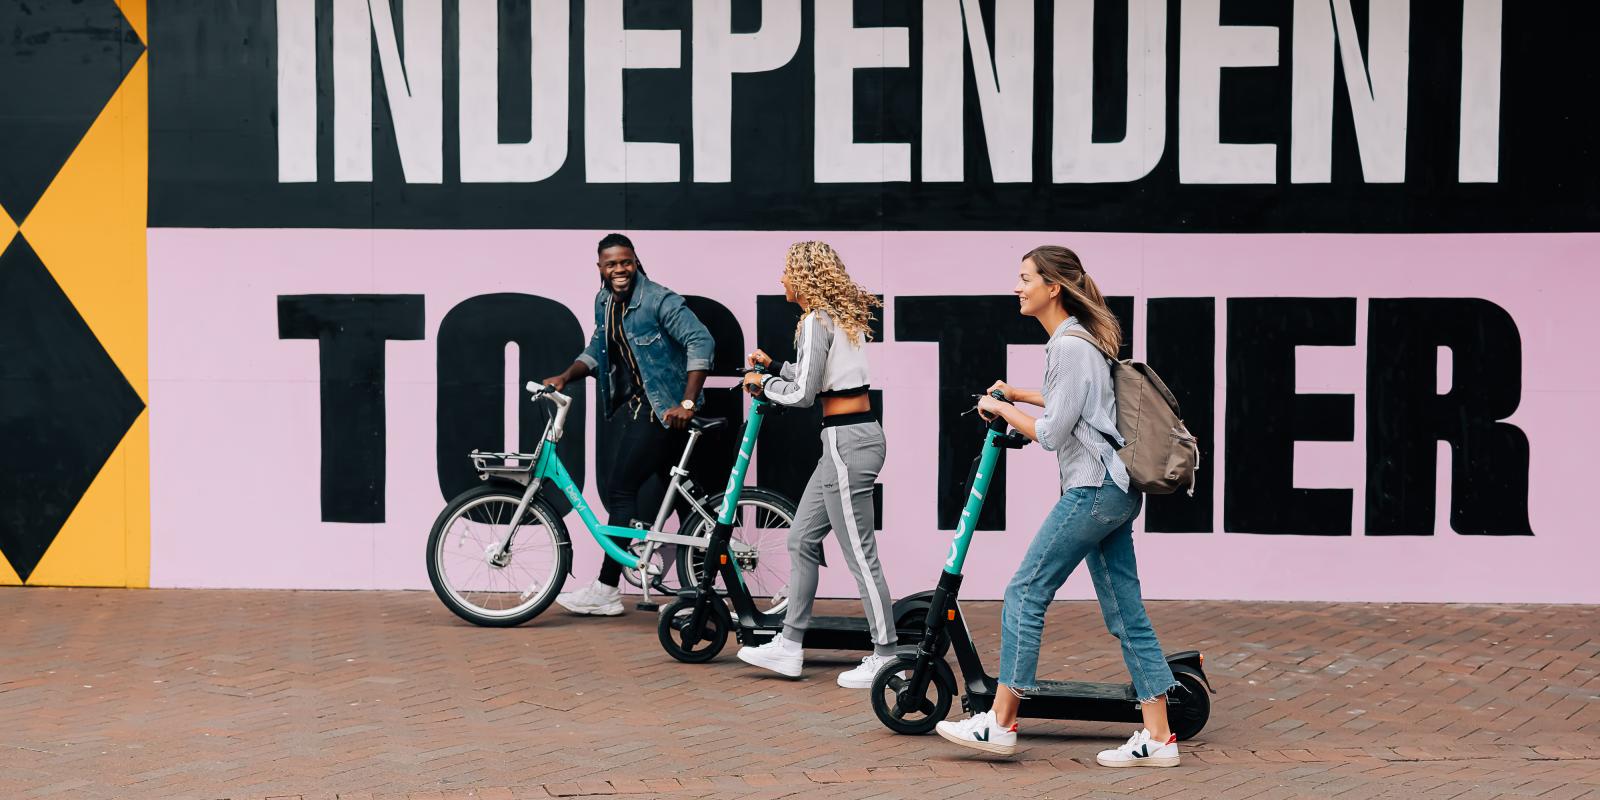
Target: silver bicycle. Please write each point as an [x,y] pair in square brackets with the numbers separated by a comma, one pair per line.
[498,554]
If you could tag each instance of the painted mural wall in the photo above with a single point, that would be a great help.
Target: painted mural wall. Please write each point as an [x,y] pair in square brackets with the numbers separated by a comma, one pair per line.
[1355,237]
[74,375]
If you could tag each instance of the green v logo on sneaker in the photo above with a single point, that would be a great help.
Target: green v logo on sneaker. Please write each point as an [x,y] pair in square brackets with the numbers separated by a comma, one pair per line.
[982,736]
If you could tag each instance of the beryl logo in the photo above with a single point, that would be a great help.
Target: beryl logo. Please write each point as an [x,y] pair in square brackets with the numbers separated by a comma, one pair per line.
[961,532]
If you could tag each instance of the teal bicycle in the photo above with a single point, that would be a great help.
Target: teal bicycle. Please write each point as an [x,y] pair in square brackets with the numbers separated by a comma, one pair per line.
[498,554]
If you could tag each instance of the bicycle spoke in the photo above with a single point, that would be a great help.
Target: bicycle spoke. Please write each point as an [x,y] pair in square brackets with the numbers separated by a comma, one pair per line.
[474,580]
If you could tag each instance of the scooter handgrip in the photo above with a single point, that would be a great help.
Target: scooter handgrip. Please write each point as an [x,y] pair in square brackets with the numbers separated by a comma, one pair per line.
[998,424]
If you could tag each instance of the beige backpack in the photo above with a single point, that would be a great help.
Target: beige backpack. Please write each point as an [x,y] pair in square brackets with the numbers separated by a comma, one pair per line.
[1160,453]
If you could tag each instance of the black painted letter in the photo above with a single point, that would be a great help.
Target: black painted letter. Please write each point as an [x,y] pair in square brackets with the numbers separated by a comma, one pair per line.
[1265,417]
[1406,416]
[972,332]
[1181,346]
[352,329]
[472,390]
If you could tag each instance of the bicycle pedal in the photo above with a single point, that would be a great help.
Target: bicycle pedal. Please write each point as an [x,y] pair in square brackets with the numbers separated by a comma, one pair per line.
[643,606]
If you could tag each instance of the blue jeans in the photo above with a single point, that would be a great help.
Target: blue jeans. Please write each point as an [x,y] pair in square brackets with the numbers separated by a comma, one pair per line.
[1093,523]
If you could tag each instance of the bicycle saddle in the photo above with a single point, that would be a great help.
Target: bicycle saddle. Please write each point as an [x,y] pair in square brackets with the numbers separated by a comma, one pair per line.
[707,423]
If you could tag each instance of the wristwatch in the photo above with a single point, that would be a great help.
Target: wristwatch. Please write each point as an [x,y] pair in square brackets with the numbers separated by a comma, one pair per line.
[688,405]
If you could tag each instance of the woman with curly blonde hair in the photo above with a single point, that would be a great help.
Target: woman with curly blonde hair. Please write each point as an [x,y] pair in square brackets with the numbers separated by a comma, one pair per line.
[831,345]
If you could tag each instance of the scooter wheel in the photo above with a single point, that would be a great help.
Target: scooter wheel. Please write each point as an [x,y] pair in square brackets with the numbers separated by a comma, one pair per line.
[672,630]
[901,712]
[1189,706]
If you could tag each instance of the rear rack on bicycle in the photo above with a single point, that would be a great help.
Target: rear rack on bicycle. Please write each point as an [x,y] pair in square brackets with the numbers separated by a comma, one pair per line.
[512,466]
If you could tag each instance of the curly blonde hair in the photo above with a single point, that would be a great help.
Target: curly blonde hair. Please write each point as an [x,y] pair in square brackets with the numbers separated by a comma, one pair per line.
[817,276]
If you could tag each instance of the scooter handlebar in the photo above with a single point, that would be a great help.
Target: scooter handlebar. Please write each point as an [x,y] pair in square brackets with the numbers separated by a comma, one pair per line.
[1014,440]
[998,424]
[755,369]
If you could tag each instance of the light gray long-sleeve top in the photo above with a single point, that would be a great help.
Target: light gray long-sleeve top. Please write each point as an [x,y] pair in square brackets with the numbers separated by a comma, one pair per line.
[1079,406]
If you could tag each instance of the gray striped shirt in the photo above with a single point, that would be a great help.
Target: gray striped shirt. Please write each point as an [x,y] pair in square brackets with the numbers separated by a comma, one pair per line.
[1079,406]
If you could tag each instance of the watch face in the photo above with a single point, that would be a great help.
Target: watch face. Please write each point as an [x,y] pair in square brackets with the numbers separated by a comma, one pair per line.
[689,404]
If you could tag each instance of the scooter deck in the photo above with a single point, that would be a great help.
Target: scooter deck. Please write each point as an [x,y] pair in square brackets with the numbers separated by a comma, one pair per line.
[854,624]
[1120,692]
[845,633]
[1081,700]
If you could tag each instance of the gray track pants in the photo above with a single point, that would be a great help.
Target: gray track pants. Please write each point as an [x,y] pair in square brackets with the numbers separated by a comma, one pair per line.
[839,497]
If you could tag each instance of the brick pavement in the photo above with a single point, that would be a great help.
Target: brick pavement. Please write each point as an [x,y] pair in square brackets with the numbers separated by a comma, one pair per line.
[248,695]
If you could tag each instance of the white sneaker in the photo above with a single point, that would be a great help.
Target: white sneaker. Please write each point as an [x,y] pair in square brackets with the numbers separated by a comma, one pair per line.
[981,732]
[1142,751]
[777,655]
[597,599]
[864,674]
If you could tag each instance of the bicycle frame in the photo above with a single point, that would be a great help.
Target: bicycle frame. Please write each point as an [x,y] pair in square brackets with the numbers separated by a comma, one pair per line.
[548,466]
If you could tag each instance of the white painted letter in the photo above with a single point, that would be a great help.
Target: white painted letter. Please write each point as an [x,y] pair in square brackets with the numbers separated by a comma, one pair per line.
[608,49]
[1377,87]
[1207,47]
[841,49]
[484,158]
[1078,158]
[1005,87]
[297,91]
[1480,92]
[718,54]
[415,88]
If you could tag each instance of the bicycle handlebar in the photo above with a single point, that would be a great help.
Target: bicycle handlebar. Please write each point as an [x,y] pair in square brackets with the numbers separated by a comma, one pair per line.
[542,390]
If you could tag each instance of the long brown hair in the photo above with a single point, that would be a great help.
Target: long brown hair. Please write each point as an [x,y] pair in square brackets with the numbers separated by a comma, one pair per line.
[1079,295]
[817,276]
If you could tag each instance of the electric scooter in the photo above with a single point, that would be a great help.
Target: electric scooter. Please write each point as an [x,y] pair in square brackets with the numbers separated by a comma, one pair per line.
[914,692]
[695,627]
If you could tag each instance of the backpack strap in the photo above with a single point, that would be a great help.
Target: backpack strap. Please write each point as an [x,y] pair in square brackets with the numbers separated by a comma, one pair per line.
[1149,374]
[1084,335]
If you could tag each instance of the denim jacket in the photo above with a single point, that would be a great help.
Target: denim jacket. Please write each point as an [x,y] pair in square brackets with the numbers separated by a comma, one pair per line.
[668,340]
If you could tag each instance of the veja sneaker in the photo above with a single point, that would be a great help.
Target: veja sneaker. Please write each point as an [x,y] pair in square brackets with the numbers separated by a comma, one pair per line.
[1142,751]
[779,655]
[863,675]
[981,732]
[597,599]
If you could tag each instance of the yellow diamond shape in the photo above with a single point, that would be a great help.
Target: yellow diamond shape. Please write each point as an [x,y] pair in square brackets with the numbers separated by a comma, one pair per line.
[8,229]
[89,227]
[89,231]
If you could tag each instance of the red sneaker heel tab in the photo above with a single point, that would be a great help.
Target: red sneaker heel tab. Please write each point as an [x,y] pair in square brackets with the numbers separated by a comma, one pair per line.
[1172,739]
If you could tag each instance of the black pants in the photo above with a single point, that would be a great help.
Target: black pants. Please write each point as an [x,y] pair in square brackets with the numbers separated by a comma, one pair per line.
[634,478]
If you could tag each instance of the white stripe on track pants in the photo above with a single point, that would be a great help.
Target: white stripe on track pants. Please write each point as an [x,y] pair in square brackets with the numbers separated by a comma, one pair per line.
[839,498]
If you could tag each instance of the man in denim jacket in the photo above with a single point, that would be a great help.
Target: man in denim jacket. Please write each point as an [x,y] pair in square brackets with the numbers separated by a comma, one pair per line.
[650,355]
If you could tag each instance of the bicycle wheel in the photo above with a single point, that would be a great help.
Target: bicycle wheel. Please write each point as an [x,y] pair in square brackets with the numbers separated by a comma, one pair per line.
[480,583]
[760,545]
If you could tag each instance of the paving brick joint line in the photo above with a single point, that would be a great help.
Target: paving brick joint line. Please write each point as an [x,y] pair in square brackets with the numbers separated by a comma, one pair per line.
[204,695]
[908,773]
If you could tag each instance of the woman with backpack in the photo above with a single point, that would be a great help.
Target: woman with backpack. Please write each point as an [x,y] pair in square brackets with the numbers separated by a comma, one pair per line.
[1093,520]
